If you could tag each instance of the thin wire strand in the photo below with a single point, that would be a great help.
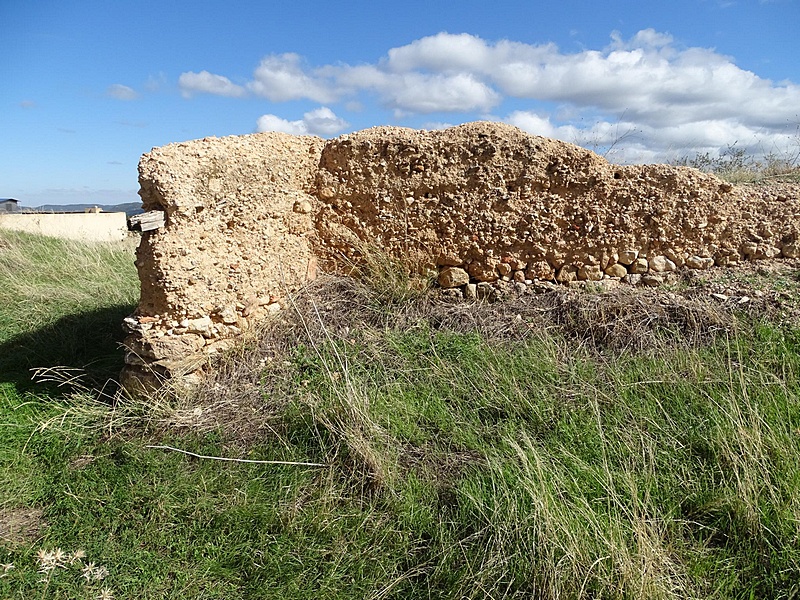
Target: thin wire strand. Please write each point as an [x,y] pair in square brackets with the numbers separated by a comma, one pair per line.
[240,460]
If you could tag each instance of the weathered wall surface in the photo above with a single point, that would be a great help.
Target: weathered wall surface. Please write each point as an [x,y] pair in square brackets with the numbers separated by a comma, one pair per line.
[248,219]
[239,212]
[485,195]
[86,227]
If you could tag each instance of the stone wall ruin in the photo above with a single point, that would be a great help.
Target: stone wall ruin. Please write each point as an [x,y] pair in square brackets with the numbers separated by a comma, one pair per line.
[250,219]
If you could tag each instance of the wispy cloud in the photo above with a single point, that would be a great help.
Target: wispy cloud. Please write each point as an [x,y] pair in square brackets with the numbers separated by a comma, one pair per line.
[155,82]
[135,124]
[121,92]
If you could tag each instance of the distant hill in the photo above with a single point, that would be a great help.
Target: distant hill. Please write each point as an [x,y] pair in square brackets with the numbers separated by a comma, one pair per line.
[129,208]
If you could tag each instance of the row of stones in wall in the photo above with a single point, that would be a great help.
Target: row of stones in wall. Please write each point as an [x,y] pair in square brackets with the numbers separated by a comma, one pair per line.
[626,265]
[207,333]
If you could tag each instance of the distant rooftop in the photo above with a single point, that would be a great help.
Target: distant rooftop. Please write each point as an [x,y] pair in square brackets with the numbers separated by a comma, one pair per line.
[9,205]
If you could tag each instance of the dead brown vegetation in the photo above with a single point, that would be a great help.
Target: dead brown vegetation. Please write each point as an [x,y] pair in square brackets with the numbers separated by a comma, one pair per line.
[252,383]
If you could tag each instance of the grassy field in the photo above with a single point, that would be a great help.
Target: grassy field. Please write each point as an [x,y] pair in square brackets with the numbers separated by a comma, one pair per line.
[568,445]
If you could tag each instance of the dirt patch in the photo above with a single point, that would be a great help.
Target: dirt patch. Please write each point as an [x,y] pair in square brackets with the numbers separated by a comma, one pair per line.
[20,526]
[80,462]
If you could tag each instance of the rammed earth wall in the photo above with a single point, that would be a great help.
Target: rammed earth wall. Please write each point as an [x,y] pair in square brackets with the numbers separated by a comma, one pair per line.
[250,219]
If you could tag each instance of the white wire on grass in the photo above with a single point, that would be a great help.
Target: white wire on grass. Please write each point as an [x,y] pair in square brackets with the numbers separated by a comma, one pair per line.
[240,460]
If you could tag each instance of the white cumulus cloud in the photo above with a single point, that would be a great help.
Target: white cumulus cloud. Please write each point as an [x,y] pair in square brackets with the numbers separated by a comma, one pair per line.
[281,77]
[321,122]
[663,96]
[442,53]
[191,83]
[422,93]
[542,125]
[276,123]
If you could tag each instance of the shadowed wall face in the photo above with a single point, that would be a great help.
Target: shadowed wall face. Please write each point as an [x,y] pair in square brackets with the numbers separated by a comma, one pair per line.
[248,220]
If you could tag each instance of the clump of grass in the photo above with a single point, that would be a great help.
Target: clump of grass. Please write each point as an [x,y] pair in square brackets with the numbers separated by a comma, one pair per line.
[43,279]
[737,165]
[556,446]
[62,303]
[392,280]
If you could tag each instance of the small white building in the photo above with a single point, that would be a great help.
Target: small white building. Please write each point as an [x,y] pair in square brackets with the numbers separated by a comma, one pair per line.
[9,205]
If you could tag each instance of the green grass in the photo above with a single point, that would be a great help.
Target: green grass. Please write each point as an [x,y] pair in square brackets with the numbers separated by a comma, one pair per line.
[456,465]
[669,477]
[62,304]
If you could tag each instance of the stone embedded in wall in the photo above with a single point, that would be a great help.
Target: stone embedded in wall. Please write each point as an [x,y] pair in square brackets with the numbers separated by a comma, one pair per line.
[453,277]
[627,256]
[541,270]
[616,270]
[567,273]
[249,219]
[699,262]
[791,250]
[639,266]
[660,264]
[590,273]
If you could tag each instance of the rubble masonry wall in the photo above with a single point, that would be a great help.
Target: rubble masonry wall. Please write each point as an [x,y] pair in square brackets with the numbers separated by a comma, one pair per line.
[250,219]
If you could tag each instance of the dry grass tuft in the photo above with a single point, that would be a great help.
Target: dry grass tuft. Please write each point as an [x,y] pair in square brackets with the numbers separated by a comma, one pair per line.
[639,321]
[246,399]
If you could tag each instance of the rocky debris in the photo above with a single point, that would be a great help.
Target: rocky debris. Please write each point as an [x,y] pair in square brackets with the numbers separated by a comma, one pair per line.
[451,277]
[484,209]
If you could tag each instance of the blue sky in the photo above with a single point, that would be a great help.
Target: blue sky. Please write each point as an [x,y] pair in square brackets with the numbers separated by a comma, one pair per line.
[88,86]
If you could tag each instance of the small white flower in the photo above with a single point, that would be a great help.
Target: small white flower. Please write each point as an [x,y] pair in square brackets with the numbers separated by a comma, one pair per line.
[76,556]
[6,568]
[59,557]
[105,594]
[91,572]
[87,571]
[100,573]
[48,560]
